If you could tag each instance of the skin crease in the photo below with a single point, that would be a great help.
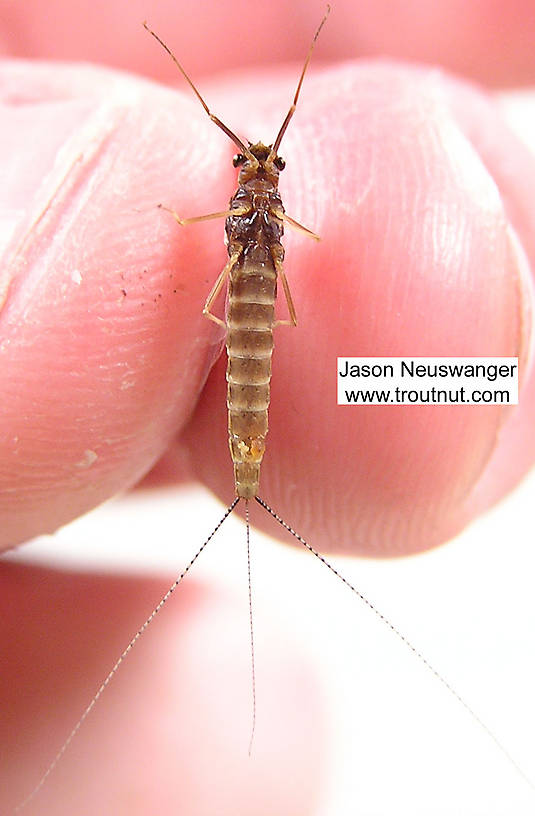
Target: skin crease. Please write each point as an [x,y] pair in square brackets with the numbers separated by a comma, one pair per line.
[432,186]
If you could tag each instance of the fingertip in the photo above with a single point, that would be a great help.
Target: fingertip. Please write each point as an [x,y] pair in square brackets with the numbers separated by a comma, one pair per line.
[415,261]
[104,345]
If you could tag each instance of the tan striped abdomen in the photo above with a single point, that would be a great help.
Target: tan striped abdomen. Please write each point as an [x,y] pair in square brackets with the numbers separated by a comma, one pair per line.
[250,316]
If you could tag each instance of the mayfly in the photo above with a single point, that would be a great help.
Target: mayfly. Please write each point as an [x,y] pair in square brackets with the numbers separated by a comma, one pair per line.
[254,226]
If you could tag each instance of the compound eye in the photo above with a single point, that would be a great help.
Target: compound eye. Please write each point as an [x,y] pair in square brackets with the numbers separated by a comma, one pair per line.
[238,159]
[280,164]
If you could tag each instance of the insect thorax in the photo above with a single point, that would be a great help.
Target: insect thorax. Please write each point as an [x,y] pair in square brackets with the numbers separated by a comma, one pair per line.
[256,223]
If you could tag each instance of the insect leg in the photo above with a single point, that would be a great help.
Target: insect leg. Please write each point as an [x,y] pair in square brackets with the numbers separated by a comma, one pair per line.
[299,227]
[282,131]
[277,260]
[184,221]
[238,142]
[218,285]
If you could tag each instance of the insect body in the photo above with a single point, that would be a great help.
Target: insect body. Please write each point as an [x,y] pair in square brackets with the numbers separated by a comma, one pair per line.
[254,228]
[255,255]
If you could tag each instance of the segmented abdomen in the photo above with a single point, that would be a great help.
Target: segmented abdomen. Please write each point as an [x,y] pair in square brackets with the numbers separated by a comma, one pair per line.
[250,317]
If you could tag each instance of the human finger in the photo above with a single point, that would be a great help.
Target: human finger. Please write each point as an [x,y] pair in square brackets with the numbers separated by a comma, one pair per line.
[162,731]
[488,42]
[104,348]
[424,252]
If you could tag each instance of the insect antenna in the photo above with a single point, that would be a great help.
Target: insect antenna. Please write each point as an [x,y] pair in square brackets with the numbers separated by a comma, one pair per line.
[124,654]
[405,640]
[237,141]
[282,131]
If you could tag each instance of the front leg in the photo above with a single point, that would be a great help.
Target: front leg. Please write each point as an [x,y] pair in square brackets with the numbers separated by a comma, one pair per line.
[208,217]
[295,225]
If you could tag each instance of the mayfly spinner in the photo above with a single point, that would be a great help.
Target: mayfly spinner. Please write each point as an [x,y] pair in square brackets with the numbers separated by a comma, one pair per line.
[254,226]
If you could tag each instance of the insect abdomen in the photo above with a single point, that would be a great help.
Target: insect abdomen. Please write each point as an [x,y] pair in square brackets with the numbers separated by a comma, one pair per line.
[250,317]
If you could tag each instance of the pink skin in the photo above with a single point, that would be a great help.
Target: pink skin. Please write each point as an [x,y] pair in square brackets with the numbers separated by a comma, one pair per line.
[490,41]
[174,728]
[422,197]
[102,294]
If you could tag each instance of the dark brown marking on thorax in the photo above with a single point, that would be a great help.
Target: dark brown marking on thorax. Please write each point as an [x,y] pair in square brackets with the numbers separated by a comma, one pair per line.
[260,228]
